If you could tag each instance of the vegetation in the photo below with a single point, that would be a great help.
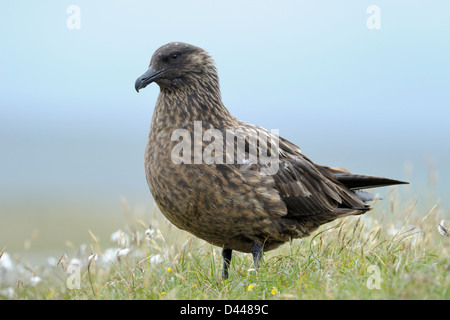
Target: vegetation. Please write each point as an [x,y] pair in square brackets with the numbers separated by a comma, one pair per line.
[392,253]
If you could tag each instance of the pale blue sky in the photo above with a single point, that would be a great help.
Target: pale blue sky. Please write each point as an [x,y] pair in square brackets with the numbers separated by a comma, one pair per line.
[72,126]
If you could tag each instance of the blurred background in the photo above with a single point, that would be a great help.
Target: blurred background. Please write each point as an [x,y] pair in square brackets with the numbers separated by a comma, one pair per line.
[355,87]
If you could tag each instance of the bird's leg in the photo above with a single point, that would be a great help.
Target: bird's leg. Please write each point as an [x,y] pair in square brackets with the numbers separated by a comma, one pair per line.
[226,254]
[257,254]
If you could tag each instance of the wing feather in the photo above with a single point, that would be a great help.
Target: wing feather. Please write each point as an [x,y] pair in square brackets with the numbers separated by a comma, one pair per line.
[304,187]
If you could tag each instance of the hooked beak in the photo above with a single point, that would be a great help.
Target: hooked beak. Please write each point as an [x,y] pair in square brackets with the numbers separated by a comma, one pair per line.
[148,77]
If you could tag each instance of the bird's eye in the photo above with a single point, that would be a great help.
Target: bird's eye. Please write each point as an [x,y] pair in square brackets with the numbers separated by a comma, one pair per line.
[175,56]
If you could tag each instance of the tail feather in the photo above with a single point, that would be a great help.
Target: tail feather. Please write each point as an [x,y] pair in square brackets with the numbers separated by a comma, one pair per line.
[358,181]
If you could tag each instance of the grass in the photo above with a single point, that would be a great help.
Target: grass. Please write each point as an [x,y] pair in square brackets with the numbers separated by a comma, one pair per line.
[394,253]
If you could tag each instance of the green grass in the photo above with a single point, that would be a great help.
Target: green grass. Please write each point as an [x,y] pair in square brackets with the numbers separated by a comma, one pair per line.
[398,248]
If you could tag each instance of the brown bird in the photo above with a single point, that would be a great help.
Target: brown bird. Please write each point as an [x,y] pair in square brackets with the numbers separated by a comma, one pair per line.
[234,184]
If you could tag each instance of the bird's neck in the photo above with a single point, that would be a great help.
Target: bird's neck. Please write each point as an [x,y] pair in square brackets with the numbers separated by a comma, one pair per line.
[182,108]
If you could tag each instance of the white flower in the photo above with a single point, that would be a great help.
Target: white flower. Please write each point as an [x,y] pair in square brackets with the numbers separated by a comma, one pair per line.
[109,256]
[120,238]
[443,230]
[6,262]
[75,262]
[7,292]
[91,258]
[123,252]
[52,261]
[150,233]
[156,259]
[34,280]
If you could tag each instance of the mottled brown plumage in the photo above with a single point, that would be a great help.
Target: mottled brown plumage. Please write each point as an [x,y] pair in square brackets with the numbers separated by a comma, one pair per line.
[236,206]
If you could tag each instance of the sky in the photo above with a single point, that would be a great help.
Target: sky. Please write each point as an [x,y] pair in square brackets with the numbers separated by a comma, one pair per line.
[355,88]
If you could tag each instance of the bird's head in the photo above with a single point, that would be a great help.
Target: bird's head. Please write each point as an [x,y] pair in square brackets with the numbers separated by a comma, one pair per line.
[179,66]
